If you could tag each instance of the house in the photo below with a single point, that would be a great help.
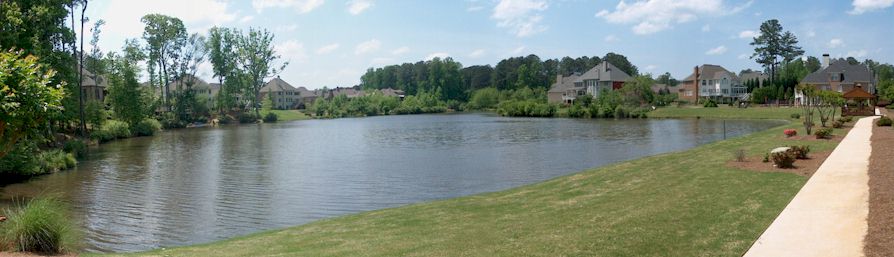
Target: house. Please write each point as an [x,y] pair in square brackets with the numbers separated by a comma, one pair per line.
[93,87]
[711,81]
[200,87]
[306,97]
[605,76]
[840,76]
[283,95]
[564,91]
[758,76]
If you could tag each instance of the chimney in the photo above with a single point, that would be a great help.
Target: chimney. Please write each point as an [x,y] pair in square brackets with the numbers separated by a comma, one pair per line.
[825,60]
[559,78]
[605,65]
[695,80]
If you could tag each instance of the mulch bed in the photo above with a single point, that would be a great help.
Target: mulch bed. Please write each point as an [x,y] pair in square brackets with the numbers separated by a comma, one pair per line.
[879,240]
[802,167]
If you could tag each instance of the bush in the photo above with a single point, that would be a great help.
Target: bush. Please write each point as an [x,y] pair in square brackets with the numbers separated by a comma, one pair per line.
[226,119]
[783,160]
[796,116]
[40,227]
[20,160]
[846,119]
[55,160]
[766,157]
[884,121]
[620,112]
[76,147]
[800,152]
[710,104]
[112,130]
[485,98]
[526,108]
[247,117]
[576,111]
[740,155]
[837,124]
[823,133]
[790,132]
[147,127]
[270,117]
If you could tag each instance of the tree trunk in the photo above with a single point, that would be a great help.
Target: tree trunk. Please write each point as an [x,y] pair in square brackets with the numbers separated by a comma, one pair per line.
[81,74]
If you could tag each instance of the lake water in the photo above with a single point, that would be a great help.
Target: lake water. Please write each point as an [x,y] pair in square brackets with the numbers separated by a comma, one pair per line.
[200,185]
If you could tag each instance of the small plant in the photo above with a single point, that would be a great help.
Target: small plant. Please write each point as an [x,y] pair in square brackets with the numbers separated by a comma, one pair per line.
[246,117]
[884,121]
[270,117]
[823,133]
[40,227]
[837,124]
[766,157]
[55,160]
[846,119]
[710,104]
[76,147]
[796,116]
[740,155]
[784,159]
[790,132]
[147,127]
[111,130]
[800,152]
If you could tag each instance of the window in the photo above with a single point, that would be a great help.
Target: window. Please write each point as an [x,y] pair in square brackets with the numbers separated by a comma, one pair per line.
[725,91]
[704,82]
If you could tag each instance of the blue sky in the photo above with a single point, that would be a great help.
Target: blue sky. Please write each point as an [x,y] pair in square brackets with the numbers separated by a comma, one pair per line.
[331,43]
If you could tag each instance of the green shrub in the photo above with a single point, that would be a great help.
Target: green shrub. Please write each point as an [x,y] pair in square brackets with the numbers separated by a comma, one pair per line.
[783,160]
[576,111]
[620,112]
[837,124]
[169,121]
[823,133]
[95,114]
[112,130]
[766,157]
[41,226]
[76,147]
[247,117]
[485,98]
[846,119]
[710,104]
[20,160]
[270,117]
[884,121]
[226,119]
[55,160]
[800,152]
[147,127]
[796,116]
[526,108]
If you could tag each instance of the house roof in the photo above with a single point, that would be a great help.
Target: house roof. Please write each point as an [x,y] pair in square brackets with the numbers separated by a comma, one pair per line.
[87,80]
[277,85]
[852,73]
[600,73]
[198,83]
[710,71]
[754,75]
[565,84]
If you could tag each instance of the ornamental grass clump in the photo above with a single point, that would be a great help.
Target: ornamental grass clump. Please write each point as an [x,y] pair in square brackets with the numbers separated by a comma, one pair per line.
[41,226]
[790,132]
[884,121]
[740,155]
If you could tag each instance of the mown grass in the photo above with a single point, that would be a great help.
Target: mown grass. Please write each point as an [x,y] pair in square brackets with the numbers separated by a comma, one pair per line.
[725,112]
[677,204]
[288,115]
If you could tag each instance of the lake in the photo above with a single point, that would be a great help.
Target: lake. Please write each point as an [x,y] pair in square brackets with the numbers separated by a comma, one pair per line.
[199,185]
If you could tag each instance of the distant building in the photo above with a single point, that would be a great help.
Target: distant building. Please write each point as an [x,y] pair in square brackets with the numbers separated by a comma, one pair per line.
[839,76]
[283,95]
[605,76]
[93,87]
[711,81]
[202,89]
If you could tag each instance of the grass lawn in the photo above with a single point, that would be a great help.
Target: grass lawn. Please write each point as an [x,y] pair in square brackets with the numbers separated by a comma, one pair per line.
[288,115]
[686,203]
[726,112]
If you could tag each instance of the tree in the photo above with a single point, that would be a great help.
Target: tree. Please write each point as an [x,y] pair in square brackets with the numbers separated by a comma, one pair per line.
[126,97]
[807,105]
[826,103]
[81,72]
[622,63]
[192,55]
[667,79]
[638,91]
[27,97]
[812,64]
[255,59]
[774,44]
[164,36]
[221,47]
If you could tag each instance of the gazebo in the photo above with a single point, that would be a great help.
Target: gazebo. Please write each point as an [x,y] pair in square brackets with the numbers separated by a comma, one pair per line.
[858,102]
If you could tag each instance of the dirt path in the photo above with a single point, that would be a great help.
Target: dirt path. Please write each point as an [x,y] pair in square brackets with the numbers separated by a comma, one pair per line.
[880,237]
[828,216]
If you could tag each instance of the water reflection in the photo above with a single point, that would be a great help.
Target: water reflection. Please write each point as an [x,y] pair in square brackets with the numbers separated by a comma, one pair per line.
[200,185]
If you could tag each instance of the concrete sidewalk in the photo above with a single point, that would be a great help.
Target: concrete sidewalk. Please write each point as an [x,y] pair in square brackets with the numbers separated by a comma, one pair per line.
[828,216]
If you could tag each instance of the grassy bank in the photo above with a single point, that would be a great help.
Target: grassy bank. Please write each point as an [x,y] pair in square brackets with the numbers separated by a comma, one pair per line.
[288,115]
[686,203]
[725,112]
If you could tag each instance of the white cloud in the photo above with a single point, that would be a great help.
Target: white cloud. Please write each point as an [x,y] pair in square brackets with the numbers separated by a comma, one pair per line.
[518,50]
[477,53]
[356,7]
[327,48]
[400,51]
[437,55]
[302,6]
[857,53]
[651,67]
[246,19]
[862,6]
[706,28]
[748,34]
[123,17]
[835,43]
[611,39]
[368,46]
[292,51]
[286,28]
[522,17]
[745,56]
[381,61]
[716,51]
[811,33]
[652,16]
[475,8]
